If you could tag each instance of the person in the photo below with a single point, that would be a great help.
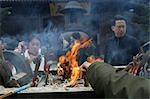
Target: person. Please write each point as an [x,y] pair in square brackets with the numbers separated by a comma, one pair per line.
[107,82]
[32,52]
[22,46]
[33,56]
[5,72]
[83,52]
[22,61]
[120,48]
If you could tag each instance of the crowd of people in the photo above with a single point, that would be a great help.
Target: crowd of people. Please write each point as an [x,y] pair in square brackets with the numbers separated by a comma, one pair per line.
[119,50]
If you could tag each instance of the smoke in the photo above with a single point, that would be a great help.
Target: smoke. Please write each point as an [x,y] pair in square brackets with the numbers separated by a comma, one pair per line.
[10,42]
[26,21]
[50,36]
[28,18]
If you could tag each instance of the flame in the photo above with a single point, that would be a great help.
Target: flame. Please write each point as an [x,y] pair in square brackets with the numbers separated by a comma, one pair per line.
[70,59]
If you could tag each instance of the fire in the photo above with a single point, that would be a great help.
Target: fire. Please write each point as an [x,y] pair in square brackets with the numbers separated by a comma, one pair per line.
[68,64]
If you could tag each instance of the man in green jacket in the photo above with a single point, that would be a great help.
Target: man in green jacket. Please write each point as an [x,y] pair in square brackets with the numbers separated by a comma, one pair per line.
[109,83]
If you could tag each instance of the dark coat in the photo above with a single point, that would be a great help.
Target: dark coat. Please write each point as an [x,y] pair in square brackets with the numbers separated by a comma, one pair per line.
[120,51]
[5,74]
[19,63]
[109,83]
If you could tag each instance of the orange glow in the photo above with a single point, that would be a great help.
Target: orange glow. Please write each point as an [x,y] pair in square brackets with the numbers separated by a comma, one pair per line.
[70,59]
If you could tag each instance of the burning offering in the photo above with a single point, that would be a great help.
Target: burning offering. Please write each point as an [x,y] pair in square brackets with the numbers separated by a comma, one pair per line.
[68,67]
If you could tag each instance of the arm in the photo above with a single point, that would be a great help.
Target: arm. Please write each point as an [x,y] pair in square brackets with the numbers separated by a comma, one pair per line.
[105,80]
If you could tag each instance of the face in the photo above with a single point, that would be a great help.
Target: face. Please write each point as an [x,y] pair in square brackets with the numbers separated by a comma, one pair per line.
[34,46]
[119,28]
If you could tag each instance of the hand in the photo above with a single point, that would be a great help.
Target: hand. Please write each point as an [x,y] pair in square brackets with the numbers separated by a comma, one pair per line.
[93,59]
[89,61]
[85,66]
[21,47]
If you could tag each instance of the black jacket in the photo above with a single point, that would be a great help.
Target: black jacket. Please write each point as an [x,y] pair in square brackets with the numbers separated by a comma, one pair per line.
[120,51]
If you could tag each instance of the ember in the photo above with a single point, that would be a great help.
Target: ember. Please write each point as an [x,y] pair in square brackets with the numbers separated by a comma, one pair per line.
[68,65]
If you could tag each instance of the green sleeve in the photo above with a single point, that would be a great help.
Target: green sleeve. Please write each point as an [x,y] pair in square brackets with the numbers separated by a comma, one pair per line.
[105,80]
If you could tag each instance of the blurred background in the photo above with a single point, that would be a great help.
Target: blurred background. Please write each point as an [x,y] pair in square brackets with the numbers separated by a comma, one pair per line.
[19,18]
